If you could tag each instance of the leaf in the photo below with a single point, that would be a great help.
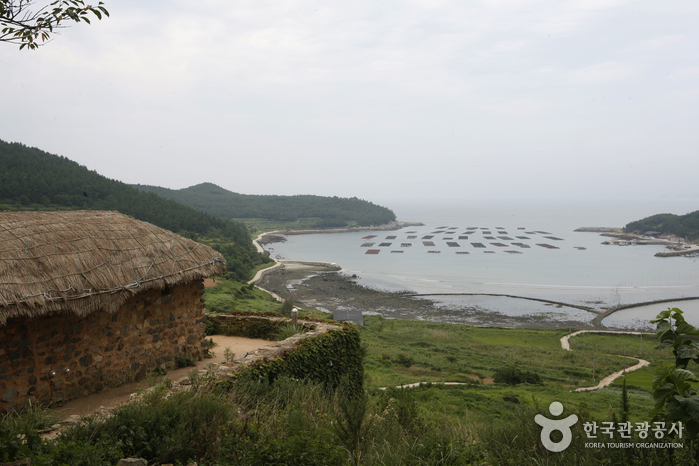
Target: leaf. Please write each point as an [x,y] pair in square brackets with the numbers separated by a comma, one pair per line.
[687,352]
[662,316]
[690,405]
[683,375]
[684,328]
[663,393]
[674,411]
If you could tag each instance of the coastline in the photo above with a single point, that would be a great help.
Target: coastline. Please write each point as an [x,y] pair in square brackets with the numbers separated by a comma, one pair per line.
[323,286]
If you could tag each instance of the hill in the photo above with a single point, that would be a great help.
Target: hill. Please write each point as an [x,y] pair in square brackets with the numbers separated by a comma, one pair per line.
[31,179]
[330,212]
[685,226]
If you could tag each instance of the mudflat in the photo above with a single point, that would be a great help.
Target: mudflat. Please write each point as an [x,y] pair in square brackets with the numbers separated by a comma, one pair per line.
[326,289]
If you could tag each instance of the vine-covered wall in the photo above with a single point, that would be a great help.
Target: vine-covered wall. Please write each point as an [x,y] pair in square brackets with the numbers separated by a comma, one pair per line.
[327,358]
[328,353]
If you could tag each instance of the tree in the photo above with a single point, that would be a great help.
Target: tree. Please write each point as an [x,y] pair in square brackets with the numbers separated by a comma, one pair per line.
[676,396]
[22,23]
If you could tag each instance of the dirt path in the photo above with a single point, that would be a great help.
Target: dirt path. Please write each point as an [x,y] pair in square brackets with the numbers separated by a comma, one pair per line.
[565,344]
[611,378]
[111,397]
[565,340]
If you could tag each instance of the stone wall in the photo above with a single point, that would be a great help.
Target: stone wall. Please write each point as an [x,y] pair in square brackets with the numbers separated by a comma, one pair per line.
[61,357]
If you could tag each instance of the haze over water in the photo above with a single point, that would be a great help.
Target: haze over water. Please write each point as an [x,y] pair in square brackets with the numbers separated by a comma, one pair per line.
[598,276]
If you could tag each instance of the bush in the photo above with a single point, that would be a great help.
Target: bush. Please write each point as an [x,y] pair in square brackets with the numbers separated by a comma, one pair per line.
[405,360]
[514,376]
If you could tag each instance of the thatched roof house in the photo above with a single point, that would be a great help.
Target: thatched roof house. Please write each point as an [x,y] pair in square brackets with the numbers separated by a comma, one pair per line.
[60,270]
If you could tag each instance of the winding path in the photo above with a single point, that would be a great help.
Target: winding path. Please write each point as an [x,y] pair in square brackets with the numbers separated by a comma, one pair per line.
[565,344]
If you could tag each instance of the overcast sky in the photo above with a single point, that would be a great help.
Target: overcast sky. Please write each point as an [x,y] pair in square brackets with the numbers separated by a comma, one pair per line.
[383,100]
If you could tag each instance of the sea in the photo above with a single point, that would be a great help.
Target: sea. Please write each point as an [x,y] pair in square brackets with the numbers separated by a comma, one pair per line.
[530,249]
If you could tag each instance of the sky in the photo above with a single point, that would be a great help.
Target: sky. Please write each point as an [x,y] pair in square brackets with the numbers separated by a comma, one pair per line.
[385,101]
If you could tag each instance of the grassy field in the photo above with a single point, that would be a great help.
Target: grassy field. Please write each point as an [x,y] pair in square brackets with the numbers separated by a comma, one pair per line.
[404,352]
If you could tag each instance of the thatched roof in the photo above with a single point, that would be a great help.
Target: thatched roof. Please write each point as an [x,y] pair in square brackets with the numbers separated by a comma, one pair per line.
[85,261]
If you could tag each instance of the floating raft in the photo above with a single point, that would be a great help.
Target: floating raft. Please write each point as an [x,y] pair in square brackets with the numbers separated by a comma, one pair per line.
[453,228]
[520,228]
[462,252]
[489,252]
[367,245]
[521,245]
[412,237]
[397,252]
[408,232]
[542,232]
[373,251]
[489,237]
[505,238]
[437,232]
[501,232]
[428,243]
[522,237]
[433,252]
[486,232]
[478,245]
[580,248]
[445,238]
[369,237]
[385,245]
[453,244]
[428,237]
[390,237]
[509,251]
[500,245]
[442,228]
[405,245]
[547,246]
[463,237]
[553,238]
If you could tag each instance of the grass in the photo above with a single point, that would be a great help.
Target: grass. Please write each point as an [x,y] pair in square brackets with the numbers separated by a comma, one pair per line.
[458,353]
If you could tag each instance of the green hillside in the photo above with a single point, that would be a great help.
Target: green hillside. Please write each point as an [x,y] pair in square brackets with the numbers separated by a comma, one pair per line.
[685,226]
[330,212]
[31,179]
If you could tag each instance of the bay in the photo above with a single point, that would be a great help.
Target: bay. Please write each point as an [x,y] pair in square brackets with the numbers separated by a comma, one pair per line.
[581,272]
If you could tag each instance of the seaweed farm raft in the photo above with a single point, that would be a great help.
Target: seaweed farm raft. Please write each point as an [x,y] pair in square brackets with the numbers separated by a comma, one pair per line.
[483,238]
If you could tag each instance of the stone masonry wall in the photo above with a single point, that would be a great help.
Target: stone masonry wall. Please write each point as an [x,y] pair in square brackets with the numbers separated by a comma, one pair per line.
[101,350]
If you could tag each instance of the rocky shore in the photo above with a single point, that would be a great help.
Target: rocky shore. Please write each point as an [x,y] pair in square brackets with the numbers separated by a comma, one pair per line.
[324,288]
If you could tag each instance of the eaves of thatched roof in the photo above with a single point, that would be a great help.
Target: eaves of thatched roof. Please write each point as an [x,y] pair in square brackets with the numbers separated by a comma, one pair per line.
[87,261]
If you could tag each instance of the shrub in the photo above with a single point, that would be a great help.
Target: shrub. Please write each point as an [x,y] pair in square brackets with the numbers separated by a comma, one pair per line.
[512,375]
[405,360]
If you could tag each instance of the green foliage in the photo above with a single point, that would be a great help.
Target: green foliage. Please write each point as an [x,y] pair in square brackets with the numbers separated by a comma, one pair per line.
[185,361]
[230,295]
[288,330]
[513,376]
[286,307]
[405,360]
[324,359]
[331,212]
[32,29]
[674,386]
[31,179]
[681,225]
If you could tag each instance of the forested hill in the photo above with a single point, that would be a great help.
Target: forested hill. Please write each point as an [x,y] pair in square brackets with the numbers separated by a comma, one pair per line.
[680,225]
[31,179]
[330,211]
